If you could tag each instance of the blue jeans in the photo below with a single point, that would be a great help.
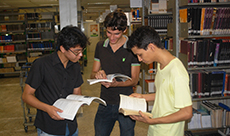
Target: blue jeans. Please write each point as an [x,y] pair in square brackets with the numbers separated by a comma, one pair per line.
[42,133]
[107,116]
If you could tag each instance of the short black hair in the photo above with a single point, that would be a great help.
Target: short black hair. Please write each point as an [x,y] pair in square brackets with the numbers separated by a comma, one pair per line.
[71,36]
[117,20]
[143,36]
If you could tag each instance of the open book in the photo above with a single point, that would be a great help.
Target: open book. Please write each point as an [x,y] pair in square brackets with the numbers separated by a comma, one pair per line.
[72,103]
[110,78]
[132,106]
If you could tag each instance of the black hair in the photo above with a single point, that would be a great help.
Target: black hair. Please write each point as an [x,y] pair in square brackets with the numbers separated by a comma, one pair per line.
[143,36]
[71,36]
[117,20]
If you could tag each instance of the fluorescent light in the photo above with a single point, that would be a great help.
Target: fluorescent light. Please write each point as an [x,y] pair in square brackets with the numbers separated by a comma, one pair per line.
[96,7]
[99,3]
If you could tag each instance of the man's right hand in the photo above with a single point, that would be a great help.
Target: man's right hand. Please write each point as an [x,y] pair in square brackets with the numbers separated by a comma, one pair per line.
[52,111]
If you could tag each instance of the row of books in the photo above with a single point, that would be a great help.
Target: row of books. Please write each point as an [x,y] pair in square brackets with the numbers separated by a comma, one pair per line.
[13,58]
[168,43]
[207,20]
[18,37]
[206,53]
[206,1]
[32,15]
[159,21]
[36,26]
[6,28]
[40,46]
[210,84]
[12,47]
[9,38]
[210,115]
[7,48]
[39,36]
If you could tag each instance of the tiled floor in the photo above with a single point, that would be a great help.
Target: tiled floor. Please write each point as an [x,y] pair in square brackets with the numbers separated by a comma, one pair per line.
[11,111]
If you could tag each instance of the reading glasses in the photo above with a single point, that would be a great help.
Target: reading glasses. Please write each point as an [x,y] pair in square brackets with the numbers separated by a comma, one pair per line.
[80,51]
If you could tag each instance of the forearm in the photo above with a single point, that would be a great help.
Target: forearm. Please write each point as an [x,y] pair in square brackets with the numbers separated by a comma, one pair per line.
[134,75]
[149,97]
[132,82]
[34,102]
[181,115]
[92,76]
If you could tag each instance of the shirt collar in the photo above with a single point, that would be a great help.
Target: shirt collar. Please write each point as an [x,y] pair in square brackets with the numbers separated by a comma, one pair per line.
[106,42]
[56,60]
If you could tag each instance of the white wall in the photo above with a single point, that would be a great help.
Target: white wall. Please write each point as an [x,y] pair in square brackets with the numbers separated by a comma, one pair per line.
[93,40]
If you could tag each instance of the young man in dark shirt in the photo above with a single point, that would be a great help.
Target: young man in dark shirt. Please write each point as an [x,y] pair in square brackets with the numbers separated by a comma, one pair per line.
[112,56]
[55,76]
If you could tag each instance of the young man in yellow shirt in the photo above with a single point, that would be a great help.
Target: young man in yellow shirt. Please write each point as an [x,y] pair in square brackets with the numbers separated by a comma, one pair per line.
[172,100]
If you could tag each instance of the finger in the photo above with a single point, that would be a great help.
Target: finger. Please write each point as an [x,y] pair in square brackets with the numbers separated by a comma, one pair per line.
[142,114]
[59,110]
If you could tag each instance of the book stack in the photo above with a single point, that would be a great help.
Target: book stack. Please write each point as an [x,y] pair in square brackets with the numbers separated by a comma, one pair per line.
[10,38]
[8,48]
[206,1]
[5,28]
[206,53]
[160,22]
[32,15]
[39,26]
[195,121]
[40,46]
[18,37]
[216,113]
[226,114]
[227,85]
[47,35]
[207,84]
[6,38]
[168,43]
[20,46]
[34,36]
[201,119]
[207,20]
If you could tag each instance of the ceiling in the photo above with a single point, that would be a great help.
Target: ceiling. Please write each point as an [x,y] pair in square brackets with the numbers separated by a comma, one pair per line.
[91,9]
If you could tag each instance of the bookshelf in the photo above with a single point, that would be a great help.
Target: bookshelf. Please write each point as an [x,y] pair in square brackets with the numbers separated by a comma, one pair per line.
[40,34]
[12,43]
[202,27]
[23,38]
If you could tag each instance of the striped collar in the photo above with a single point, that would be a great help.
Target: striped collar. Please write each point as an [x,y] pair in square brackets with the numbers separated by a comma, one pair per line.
[106,42]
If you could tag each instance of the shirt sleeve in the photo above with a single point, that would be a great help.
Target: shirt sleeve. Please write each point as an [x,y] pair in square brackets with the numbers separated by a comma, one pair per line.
[182,92]
[35,75]
[97,52]
[135,61]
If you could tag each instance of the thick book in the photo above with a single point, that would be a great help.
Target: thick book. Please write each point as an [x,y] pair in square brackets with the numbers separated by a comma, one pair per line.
[72,103]
[132,106]
[110,78]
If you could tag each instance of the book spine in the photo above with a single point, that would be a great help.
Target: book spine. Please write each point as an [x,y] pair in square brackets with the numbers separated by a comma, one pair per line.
[216,55]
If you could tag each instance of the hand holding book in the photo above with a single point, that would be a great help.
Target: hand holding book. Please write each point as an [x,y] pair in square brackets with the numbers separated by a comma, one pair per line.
[110,78]
[72,103]
[132,106]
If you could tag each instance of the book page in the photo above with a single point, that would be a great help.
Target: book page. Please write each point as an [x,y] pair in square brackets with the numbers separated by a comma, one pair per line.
[122,77]
[110,78]
[93,81]
[132,103]
[86,99]
[69,107]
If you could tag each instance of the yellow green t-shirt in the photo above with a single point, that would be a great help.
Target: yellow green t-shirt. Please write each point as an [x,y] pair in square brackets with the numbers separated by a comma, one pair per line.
[172,93]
